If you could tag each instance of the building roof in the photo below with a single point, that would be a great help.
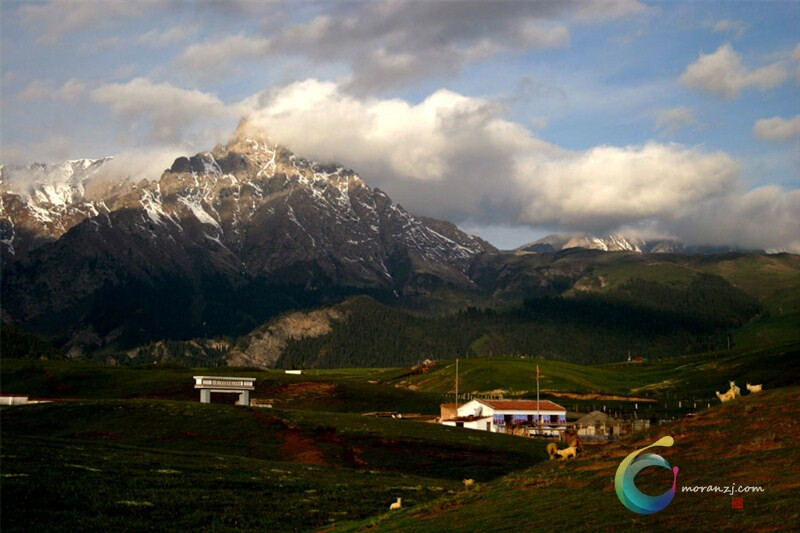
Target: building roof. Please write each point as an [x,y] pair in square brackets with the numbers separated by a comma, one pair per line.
[595,417]
[470,418]
[522,405]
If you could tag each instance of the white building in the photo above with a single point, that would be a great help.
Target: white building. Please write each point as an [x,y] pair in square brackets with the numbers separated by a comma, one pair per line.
[520,417]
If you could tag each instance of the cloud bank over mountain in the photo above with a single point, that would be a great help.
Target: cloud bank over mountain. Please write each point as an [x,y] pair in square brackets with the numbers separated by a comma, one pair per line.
[460,158]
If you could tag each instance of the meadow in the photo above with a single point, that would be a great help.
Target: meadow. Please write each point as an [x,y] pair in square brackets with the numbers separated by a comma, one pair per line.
[131,448]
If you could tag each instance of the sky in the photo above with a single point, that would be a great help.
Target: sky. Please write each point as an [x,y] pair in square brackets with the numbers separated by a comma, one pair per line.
[512,119]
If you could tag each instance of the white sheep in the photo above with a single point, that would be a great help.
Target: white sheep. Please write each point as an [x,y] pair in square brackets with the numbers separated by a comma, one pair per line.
[754,388]
[567,453]
[730,395]
[396,505]
[735,389]
[468,482]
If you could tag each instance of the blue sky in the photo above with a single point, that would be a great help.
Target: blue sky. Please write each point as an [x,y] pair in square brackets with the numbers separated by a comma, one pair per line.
[512,119]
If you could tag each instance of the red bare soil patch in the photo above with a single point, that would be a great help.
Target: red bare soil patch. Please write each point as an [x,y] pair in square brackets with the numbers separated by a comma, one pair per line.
[305,390]
[300,449]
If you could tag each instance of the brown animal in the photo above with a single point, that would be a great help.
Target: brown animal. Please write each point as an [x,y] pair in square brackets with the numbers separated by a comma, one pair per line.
[571,436]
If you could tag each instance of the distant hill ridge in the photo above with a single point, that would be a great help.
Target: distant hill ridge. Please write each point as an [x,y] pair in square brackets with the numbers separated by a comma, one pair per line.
[621,243]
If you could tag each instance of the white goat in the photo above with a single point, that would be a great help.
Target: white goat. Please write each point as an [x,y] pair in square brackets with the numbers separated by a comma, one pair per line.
[754,388]
[735,389]
[468,482]
[728,396]
[396,505]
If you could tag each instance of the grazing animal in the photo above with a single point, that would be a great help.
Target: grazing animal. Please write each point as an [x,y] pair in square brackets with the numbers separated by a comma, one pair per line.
[551,450]
[736,391]
[754,388]
[728,396]
[567,453]
[468,482]
[571,436]
[396,505]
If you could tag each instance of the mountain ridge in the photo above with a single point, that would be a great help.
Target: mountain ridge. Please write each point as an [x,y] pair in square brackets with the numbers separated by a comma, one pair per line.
[621,243]
[245,230]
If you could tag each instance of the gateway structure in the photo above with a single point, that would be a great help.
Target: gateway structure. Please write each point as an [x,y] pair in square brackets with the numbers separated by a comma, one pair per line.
[229,385]
[519,417]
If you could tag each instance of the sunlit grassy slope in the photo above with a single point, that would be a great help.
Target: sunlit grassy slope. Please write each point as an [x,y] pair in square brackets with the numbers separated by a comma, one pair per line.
[699,375]
[774,280]
[751,441]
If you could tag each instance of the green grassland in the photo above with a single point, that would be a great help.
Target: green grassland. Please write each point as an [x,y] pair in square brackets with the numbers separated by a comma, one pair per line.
[748,442]
[695,376]
[168,465]
[329,390]
[698,375]
[134,450]
[772,279]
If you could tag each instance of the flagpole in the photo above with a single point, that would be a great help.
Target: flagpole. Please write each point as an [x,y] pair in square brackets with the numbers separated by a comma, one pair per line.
[538,414]
[456,386]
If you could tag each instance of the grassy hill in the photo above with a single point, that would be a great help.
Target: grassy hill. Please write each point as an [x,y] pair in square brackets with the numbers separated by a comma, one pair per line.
[333,390]
[748,442]
[158,465]
[692,377]
[696,375]
[133,449]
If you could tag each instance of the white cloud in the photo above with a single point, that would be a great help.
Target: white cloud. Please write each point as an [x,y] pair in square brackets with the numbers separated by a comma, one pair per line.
[44,90]
[168,111]
[766,217]
[141,163]
[456,157]
[389,43]
[777,128]
[609,186]
[55,19]
[671,121]
[173,35]
[449,155]
[36,90]
[723,74]
[600,10]
[213,59]
[9,77]
[50,149]
[72,90]
[737,27]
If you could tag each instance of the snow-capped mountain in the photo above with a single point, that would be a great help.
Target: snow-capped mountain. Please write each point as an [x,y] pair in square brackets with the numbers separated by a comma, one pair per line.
[209,242]
[618,243]
[40,202]
[610,243]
